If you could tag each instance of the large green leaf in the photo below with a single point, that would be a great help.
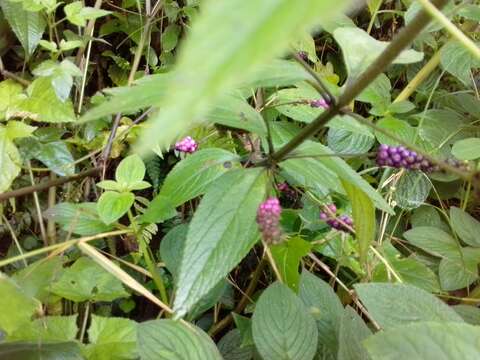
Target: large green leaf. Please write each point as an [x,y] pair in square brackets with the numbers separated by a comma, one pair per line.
[359,54]
[47,329]
[17,307]
[465,225]
[220,234]
[467,149]
[459,270]
[55,155]
[10,94]
[231,348]
[426,340]
[248,33]
[364,219]
[433,240]
[172,340]
[171,248]
[326,308]
[399,128]
[412,189]
[458,61]
[111,338]
[27,25]
[392,305]
[282,327]
[113,205]
[86,280]
[189,179]
[353,331]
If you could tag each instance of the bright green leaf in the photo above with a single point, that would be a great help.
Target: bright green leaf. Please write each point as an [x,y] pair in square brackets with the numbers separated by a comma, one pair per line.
[113,205]
[467,149]
[131,170]
[10,94]
[47,329]
[10,161]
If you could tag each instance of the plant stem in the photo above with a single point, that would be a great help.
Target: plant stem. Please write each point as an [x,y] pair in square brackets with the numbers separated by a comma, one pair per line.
[37,206]
[399,43]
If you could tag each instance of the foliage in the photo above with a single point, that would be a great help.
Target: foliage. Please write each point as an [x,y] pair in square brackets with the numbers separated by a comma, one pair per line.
[119,242]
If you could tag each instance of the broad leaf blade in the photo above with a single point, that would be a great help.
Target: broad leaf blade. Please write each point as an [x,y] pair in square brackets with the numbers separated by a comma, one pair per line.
[393,305]
[466,226]
[282,327]
[221,233]
[351,335]
[172,340]
[248,34]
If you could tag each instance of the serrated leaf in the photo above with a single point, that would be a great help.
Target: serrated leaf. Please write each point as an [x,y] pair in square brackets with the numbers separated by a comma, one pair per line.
[412,190]
[326,308]
[189,179]
[433,240]
[393,305]
[426,340]
[10,94]
[112,205]
[282,327]
[78,14]
[85,280]
[111,338]
[359,54]
[55,155]
[225,219]
[465,226]
[27,25]
[47,329]
[10,161]
[353,331]
[230,54]
[172,340]
[130,171]
[399,128]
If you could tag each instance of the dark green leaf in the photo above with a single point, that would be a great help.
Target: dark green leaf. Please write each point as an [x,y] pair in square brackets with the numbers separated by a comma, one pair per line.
[230,346]
[466,226]
[353,331]
[32,351]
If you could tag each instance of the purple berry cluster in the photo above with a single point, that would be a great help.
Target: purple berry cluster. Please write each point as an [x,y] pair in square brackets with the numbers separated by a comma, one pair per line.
[401,157]
[342,223]
[268,220]
[286,191]
[319,103]
[187,145]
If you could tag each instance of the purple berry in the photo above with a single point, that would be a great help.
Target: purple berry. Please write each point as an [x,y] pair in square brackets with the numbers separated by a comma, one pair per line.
[187,145]
[401,157]
[268,220]
[320,103]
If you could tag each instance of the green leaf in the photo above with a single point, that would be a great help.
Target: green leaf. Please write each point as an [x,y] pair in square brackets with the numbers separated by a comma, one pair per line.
[109,185]
[230,346]
[111,338]
[17,307]
[359,54]
[27,25]
[377,94]
[225,219]
[188,179]
[43,104]
[393,305]
[244,325]
[467,149]
[170,37]
[469,313]
[78,14]
[172,340]
[81,219]
[459,270]
[326,309]
[87,281]
[130,171]
[32,351]
[36,279]
[399,128]
[426,340]
[229,55]
[113,205]
[347,142]
[458,61]
[433,240]
[410,270]
[10,94]
[55,155]
[171,248]
[10,161]
[47,329]
[465,226]
[277,73]
[18,130]
[287,256]
[363,212]
[412,190]
[282,327]
[353,331]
